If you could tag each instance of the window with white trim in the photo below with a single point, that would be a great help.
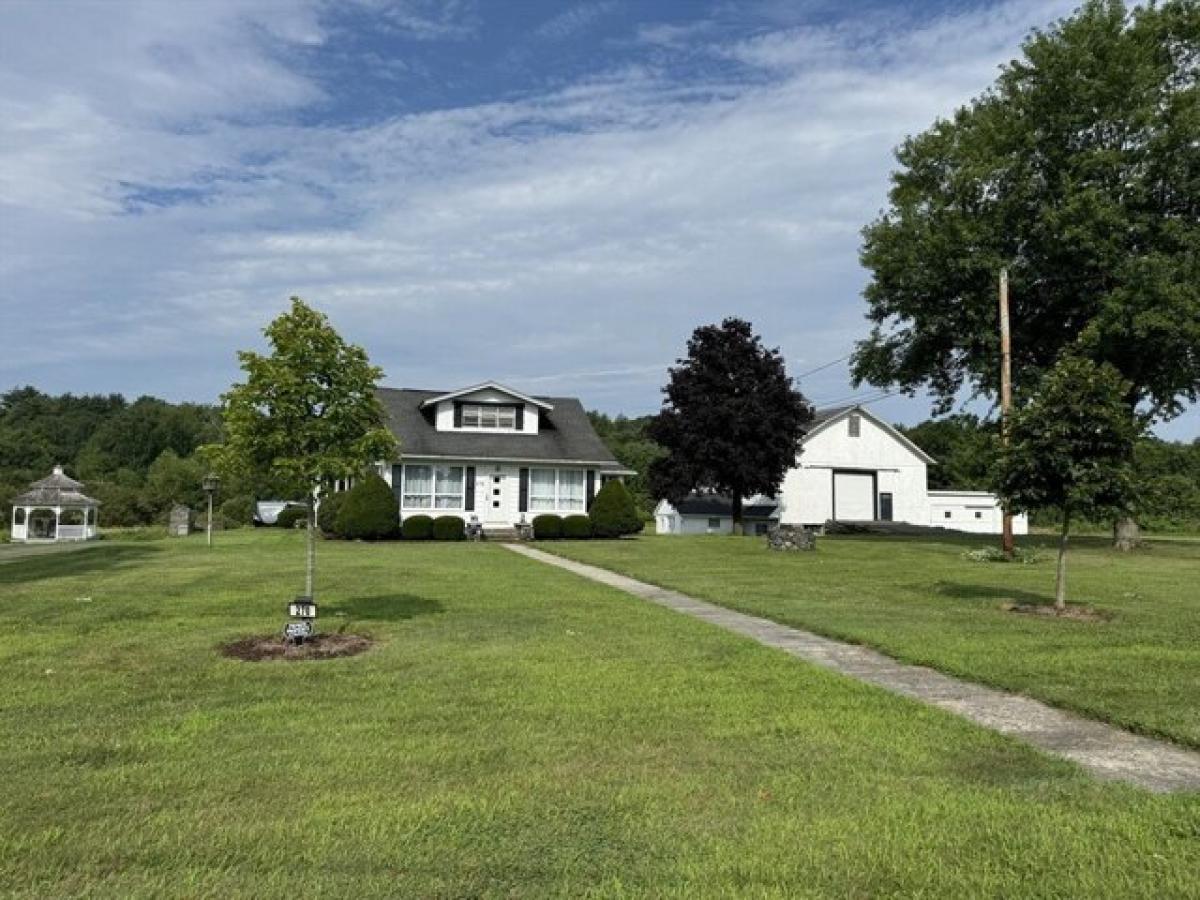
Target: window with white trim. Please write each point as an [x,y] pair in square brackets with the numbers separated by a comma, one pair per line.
[543,489]
[433,487]
[855,425]
[570,490]
[557,489]
[489,415]
[448,487]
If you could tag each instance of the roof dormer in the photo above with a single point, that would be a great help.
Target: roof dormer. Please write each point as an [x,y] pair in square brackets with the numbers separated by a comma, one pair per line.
[488,408]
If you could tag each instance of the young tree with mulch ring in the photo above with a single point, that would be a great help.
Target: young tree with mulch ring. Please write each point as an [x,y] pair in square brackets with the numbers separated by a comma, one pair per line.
[1070,448]
[307,413]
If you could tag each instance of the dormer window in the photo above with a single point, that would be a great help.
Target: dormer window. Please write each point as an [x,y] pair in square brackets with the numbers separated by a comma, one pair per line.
[855,425]
[502,417]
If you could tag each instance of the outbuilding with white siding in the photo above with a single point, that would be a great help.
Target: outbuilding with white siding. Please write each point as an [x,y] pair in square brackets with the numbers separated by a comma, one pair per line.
[855,467]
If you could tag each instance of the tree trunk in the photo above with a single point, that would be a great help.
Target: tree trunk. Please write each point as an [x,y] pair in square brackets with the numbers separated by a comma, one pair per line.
[310,535]
[1060,582]
[1127,535]
[737,513]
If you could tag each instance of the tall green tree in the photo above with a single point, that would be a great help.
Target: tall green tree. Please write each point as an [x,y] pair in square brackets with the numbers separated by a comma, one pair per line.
[307,412]
[731,422]
[1078,171]
[1070,449]
[964,447]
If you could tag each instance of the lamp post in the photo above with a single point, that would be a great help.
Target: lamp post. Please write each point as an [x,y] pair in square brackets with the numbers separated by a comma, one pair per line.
[210,484]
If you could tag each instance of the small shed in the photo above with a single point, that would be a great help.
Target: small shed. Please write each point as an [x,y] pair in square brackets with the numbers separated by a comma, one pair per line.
[701,513]
[54,509]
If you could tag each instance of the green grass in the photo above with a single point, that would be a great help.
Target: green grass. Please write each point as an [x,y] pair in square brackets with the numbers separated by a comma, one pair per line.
[919,600]
[516,732]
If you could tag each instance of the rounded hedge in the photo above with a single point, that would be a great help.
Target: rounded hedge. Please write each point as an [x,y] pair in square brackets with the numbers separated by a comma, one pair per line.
[238,512]
[449,528]
[291,517]
[547,527]
[577,527]
[614,513]
[369,512]
[327,513]
[417,528]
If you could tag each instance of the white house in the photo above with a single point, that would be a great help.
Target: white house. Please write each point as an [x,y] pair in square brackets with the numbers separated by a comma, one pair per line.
[493,453]
[854,467]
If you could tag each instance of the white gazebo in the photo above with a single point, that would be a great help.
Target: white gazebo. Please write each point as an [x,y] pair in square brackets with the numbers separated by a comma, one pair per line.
[54,509]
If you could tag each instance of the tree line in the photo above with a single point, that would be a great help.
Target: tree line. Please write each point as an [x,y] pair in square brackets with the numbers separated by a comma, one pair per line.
[138,458]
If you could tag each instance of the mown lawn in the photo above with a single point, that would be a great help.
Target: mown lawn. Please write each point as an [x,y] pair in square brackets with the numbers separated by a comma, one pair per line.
[920,600]
[516,732]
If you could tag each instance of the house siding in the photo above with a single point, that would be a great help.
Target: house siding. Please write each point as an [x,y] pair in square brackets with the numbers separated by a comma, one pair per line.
[807,493]
[506,513]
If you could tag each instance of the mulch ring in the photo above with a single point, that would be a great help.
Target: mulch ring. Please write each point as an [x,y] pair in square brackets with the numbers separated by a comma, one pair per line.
[272,646]
[1074,613]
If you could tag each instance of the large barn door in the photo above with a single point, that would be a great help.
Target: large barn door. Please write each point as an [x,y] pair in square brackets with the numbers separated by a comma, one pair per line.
[854,496]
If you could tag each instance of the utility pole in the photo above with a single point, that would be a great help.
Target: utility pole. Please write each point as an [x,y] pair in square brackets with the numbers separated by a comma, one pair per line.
[1006,537]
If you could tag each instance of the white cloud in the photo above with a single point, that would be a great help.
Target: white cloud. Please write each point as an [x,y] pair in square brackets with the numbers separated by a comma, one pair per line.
[574,19]
[569,238]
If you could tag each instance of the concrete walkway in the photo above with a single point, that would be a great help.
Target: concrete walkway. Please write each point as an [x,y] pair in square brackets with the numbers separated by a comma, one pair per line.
[1105,750]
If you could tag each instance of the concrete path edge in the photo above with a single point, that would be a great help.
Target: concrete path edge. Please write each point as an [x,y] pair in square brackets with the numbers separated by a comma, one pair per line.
[1105,750]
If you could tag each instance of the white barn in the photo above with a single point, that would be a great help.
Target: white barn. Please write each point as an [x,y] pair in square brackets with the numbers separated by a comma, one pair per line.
[854,467]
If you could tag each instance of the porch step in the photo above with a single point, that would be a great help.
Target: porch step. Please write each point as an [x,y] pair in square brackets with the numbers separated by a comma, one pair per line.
[493,533]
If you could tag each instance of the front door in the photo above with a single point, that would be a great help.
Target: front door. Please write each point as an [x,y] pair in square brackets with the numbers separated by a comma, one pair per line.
[493,489]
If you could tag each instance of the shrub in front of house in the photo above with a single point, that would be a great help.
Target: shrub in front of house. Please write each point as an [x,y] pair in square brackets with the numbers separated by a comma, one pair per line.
[291,517]
[577,527]
[327,513]
[449,528]
[614,513]
[547,527]
[369,511]
[238,512]
[417,528]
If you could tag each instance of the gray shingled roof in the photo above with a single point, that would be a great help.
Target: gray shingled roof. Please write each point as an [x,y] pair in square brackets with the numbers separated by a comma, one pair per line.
[829,412]
[56,489]
[718,505]
[565,433]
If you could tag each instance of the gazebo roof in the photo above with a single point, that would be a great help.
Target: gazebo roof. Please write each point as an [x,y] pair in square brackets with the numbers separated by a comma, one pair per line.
[56,489]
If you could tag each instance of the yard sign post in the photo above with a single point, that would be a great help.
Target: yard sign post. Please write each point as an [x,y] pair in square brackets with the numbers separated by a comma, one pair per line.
[1006,536]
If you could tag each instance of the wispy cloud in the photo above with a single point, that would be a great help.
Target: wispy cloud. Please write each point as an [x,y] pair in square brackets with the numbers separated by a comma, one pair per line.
[165,186]
[574,19]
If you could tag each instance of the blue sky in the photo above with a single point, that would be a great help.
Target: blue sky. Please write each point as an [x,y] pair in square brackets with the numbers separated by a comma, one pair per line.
[549,194]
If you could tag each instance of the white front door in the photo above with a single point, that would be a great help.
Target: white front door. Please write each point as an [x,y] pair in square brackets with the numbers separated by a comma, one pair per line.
[493,497]
[853,496]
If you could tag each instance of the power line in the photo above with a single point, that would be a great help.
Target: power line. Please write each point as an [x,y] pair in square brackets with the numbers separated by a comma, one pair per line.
[827,365]
[861,398]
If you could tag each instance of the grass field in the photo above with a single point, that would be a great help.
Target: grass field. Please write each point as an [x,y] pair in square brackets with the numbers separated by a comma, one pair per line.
[921,601]
[516,732]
